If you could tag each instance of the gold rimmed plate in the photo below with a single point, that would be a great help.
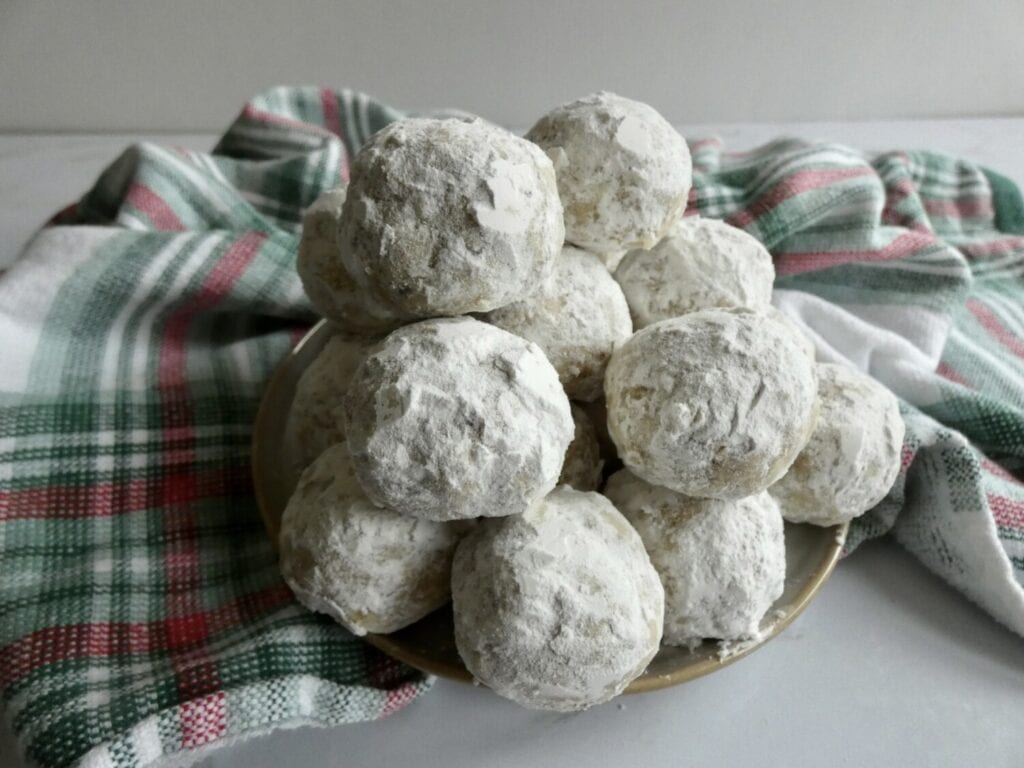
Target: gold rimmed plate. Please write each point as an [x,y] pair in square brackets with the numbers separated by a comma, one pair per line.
[811,552]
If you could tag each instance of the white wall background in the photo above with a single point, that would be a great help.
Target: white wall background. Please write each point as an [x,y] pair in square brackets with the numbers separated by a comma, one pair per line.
[188,64]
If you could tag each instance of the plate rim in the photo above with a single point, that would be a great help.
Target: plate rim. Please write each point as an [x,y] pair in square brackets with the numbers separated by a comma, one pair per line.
[431,666]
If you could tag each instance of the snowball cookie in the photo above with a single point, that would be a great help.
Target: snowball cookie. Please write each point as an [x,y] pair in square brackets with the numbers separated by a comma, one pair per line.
[330,288]
[315,417]
[722,563]
[453,418]
[714,404]
[558,608]
[577,317]
[795,329]
[853,456]
[445,217]
[371,569]
[624,173]
[582,465]
[700,264]
[612,260]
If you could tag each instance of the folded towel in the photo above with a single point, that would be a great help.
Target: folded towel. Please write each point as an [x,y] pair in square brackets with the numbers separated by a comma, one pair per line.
[143,615]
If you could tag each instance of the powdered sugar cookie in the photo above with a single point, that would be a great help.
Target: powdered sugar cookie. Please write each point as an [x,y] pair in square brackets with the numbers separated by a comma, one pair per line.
[582,466]
[558,608]
[713,404]
[577,317]
[722,563]
[700,264]
[327,283]
[315,419]
[624,172]
[453,418]
[853,455]
[446,217]
[371,569]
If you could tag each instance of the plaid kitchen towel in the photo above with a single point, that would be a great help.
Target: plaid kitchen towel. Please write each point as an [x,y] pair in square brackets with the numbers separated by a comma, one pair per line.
[143,617]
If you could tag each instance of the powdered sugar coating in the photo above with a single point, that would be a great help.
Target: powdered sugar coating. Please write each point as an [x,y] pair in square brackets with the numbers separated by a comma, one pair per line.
[315,418]
[558,608]
[327,283]
[445,217]
[853,456]
[371,569]
[577,317]
[722,563]
[794,329]
[624,172]
[714,404]
[453,418]
[700,264]
[582,465]
[612,260]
